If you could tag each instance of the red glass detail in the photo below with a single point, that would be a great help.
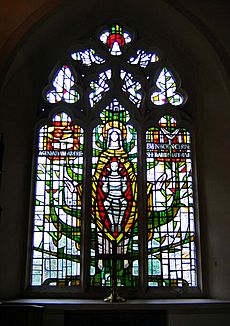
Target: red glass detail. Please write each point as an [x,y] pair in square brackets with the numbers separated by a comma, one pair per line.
[51,190]
[115,38]
[101,197]
[175,140]
[61,133]
[57,133]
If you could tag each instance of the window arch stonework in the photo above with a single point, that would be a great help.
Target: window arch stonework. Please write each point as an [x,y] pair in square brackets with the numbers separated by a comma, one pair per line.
[114,169]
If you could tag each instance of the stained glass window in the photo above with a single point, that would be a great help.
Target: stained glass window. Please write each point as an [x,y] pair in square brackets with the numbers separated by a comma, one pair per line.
[143,59]
[63,87]
[114,172]
[167,90]
[87,57]
[115,38]
[58,204]
[171,250]
[114,197]
[132,87]
[100,87]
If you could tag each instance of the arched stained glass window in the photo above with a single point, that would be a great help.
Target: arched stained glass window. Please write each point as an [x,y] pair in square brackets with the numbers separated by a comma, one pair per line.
[114,179]
[58,204]
[171,251]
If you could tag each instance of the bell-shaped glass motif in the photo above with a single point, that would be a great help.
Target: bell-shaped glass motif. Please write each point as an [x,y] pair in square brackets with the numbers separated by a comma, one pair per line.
[115,38]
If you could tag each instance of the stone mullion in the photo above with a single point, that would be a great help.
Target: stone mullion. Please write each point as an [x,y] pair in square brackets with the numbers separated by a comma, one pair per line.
[86,213]
[142,213]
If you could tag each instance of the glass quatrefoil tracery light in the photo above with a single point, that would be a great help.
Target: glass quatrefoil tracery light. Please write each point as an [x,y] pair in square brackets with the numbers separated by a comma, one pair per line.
[108,170]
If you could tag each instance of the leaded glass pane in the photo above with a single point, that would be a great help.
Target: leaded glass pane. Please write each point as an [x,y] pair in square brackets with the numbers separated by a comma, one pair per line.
[87,57]
[114,198]
[63,87]
[67,182]
[57,211]
[115,38]
[167,93]
[132,87]
[143,59]
[100,87]
[171,247]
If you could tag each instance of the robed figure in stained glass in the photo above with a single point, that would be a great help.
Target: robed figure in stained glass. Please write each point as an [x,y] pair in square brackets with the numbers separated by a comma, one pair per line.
[114,206]
[114,186]
[68,227]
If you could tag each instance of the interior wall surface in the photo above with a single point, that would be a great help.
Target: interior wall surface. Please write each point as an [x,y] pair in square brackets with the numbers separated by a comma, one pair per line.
[204,77]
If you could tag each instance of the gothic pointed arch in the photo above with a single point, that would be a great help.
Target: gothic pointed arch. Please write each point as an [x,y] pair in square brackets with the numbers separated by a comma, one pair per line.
[114,165]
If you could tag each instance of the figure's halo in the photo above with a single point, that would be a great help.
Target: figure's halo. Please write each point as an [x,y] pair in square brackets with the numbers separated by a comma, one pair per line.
[114,124]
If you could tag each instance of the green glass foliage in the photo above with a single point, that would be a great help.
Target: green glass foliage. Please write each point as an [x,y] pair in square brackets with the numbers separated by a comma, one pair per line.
[116,92]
